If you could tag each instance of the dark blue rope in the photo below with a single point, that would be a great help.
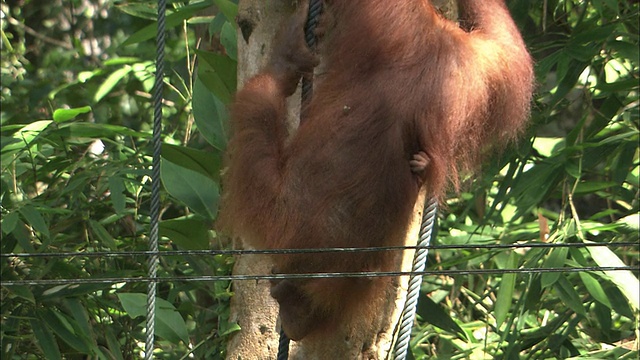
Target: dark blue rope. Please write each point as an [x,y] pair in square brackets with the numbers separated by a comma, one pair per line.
[315,8]
[283,346]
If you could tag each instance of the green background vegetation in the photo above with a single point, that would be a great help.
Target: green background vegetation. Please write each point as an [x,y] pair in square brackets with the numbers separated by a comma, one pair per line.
[75,157]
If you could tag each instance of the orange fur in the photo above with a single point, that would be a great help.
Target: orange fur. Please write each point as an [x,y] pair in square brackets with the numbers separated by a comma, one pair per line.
[399,80]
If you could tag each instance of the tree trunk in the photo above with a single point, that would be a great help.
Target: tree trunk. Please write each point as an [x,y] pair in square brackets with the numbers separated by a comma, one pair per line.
[252,306]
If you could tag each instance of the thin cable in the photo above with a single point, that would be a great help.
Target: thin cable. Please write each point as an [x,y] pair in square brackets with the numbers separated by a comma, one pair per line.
[364,274]
[413,293]
[155,184]
[104,254]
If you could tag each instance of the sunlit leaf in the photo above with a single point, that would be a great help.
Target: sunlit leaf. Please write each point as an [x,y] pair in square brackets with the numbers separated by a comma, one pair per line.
[110,82]
[624,280]
[62,115]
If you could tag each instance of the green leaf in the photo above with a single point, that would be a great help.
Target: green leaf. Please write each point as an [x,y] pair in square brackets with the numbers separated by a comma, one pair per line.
[627,50]
[66,291]
[588,187]
[624,280]
[556,259]
[568,81]
[24,236]
[229,39]
[172,20]
[200,193]
[594,288]
[218,74]
[62,115]
[45,340]
[505,291]
[103,235]
[123,60]
[590,36]
[533,294]
[569,295]
[187,234]
[632,222]
[110,82]
[22,292]
[437,316]
[533,185]
[603,315]
[81,317]
[142,10]
[93,130]
[229,328]
[228,8]
[63,329]
[205,162]
[169,324]
[134,304]
[619,302]
[24,137]
[623,163]
[33,218]
[113,344]
[118,199]
[9,222]
[210,115]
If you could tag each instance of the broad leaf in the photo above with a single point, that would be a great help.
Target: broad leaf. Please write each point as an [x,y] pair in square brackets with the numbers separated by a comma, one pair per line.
[200,193]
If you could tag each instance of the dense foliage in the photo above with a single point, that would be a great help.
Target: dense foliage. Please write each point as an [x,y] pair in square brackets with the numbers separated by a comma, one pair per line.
[76,118]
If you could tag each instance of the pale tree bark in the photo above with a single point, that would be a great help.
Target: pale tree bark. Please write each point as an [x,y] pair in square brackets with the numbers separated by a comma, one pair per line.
[252,306]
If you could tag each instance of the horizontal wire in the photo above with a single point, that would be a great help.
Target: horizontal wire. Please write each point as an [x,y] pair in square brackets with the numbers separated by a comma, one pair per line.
[313,276]
[307,251]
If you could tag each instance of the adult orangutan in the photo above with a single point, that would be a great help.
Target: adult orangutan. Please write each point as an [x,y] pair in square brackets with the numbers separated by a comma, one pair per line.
[408,98]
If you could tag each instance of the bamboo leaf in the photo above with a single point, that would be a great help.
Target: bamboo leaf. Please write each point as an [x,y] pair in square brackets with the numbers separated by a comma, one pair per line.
[556,259]
[595,289]
[624,280]
[505,292]
[45,340]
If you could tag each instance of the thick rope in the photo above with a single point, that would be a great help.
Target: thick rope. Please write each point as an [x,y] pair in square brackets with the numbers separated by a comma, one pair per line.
[155,183]
[315,8]
[283,346]
[413,293]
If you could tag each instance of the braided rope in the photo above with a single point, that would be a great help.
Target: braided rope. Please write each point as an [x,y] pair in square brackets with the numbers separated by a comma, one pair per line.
[315,8]
[283,346]
[155,183]
[413,293]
